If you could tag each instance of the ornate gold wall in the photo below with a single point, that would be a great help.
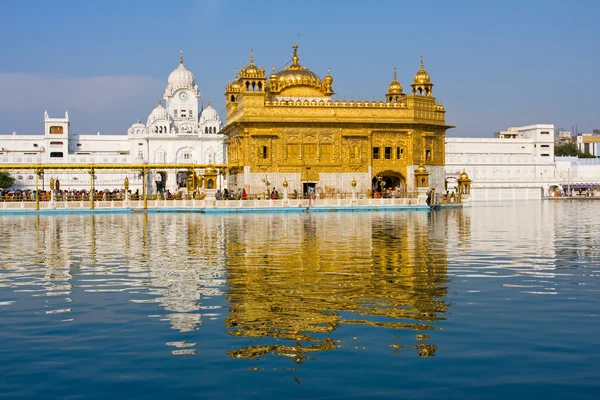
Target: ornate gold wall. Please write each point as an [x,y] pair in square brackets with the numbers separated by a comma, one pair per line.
[288,126]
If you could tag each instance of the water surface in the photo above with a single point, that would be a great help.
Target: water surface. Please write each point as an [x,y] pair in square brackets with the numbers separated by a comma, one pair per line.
[488,302]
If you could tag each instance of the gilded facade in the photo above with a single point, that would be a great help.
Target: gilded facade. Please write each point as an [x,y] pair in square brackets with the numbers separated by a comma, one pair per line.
[287,126]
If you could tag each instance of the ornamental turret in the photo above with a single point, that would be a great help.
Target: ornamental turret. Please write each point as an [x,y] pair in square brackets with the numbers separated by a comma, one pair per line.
[422,85]
[252,78]
[394,92]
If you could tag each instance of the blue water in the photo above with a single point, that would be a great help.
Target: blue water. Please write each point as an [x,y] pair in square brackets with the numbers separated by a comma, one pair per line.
[490,302]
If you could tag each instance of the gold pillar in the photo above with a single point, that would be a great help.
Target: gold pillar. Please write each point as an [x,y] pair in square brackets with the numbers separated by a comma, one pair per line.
[91,188]
[144,188]
[37,190]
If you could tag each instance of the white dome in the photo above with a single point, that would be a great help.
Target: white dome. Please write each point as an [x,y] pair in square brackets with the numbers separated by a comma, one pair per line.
[181,77]
[137,128]
[158,113]
[209,114]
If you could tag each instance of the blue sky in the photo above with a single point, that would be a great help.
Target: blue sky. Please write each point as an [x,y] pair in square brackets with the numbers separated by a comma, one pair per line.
[494,64]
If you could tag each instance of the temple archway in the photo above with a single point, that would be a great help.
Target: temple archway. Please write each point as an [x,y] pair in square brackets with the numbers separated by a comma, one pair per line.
[386,180]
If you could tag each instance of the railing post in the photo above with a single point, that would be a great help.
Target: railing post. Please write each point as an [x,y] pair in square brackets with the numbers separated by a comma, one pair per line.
[91,188]
[37,190]
[144,189]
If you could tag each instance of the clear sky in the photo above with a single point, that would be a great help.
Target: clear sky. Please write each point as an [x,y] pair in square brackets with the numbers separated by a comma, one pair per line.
[494,64]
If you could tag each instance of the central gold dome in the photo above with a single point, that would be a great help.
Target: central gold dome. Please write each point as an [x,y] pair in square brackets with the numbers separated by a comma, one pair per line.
[297,74]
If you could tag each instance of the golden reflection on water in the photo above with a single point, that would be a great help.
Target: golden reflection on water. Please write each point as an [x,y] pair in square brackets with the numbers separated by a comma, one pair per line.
[301,277]
[293,279]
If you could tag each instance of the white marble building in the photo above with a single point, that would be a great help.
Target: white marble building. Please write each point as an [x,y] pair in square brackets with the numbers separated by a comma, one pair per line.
[174,133]
[517,164]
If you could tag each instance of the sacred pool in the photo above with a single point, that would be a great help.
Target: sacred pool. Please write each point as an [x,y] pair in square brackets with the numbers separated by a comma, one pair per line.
[496,300]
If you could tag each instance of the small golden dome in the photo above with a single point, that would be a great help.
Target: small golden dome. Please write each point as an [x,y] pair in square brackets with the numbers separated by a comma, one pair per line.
[252,69]
[236,83]
[464,176]
[395,87]
[422,76]
[328,79]
[420,169]
[273,77]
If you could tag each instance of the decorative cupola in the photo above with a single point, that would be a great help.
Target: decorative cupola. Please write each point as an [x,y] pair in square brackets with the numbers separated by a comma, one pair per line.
[327,82]
[422,85]
[421,177]
[233,89]
[464,183]
[273,80]
[394,90]
[252,79]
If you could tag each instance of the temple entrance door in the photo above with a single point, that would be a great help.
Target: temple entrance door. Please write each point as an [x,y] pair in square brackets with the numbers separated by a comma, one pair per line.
[161,181]
[306,187]
[182,179]
[387,182]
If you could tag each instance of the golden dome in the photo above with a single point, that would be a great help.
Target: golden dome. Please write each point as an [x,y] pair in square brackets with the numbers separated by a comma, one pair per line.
[236,82]
[420,169]
[395,87]
[422,76]
[328,79]
[251,69]
[464,176]
[296,74]
[273,75]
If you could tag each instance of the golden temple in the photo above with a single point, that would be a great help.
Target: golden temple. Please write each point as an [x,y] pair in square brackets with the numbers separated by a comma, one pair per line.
[287,127]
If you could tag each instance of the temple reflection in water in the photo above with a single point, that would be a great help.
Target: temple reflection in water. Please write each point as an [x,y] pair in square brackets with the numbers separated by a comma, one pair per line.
[301,277]
[284,282]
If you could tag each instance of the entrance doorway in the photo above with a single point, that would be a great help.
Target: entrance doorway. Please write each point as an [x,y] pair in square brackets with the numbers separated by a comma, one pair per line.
[306,188]
[160,181]
[182,179]
[387,183]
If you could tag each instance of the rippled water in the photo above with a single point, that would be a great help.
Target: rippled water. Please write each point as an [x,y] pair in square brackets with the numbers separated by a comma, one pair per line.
[494,301]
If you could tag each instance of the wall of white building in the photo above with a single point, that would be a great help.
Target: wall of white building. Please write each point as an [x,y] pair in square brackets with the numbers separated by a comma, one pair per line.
[519,165]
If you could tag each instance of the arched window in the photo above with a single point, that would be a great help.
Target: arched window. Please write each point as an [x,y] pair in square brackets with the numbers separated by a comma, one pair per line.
[232,98]
[205,130]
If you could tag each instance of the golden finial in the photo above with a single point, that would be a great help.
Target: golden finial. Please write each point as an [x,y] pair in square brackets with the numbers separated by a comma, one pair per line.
[295,57]
[422,65]
[328,71]
[237,75]
[273,68]
[180,56]
[395,74]
[209,103]
[251,57]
